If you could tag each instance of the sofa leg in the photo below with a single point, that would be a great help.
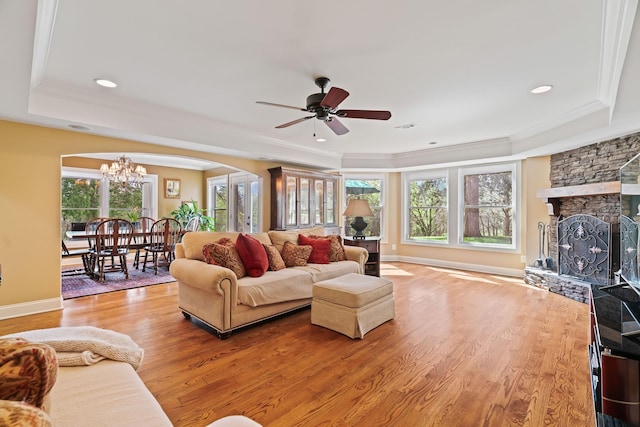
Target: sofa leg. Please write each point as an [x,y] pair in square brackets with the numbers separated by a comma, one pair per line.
[223,335]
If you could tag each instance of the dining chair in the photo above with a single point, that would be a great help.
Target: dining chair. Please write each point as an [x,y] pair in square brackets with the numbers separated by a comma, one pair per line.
[113,238]
[83,253]
[90,228]
[139,241]
[165,234]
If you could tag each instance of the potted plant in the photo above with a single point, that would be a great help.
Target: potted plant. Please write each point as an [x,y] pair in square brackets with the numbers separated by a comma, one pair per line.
[190,210]
[134,216]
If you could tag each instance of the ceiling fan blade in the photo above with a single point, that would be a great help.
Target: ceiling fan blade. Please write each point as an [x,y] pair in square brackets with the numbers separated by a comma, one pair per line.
[281,105]
[364,114]
[334,97]
[336,126]
[286,125]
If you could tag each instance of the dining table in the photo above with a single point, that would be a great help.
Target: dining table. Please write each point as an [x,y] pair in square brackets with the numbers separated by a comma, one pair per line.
[140,238]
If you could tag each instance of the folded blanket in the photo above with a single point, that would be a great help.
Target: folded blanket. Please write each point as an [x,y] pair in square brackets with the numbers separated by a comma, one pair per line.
[86,345]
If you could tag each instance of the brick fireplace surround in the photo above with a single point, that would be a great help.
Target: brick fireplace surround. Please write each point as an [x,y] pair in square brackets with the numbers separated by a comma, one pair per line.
[593,164]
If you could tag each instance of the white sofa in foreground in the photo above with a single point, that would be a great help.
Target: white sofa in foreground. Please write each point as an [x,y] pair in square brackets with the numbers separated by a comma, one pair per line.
[216,296]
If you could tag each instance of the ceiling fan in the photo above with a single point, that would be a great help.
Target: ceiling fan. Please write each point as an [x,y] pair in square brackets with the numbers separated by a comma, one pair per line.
[324,107]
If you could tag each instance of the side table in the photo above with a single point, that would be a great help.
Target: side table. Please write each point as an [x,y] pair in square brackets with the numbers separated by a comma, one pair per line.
[372,245]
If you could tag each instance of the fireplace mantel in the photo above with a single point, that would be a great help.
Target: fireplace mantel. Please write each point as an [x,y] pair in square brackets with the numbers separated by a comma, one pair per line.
[552,196]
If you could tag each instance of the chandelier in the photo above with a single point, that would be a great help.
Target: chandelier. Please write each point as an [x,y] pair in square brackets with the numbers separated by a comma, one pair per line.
[124,173]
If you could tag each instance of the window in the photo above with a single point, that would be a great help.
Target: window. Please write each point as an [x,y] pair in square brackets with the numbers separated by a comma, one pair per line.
[369,188]
[234,202]
[81,199]
[85,195]
[428,212]
[218,202]
[462,207]
[488,207]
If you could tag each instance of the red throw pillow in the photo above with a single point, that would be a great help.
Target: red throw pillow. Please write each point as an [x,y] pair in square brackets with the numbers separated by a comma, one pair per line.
[252,254]
[320,249]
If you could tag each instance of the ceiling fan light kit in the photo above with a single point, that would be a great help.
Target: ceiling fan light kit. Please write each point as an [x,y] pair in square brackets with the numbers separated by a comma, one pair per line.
[324,107]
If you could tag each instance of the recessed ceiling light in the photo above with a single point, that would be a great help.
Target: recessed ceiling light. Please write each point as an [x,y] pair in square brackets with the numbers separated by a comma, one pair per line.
[320,139]
[105,83]
[541,89]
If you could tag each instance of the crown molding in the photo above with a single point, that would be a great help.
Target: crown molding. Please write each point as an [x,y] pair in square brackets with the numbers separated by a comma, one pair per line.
[45,20]
[617,22]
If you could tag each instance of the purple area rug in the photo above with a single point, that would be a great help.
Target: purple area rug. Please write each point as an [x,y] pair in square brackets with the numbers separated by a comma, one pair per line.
[82,285]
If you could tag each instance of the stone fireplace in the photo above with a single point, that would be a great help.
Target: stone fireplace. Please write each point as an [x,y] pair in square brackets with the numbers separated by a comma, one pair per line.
[585,182]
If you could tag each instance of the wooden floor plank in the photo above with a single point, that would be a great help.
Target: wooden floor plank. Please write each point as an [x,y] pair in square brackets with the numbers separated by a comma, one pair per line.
[465,349]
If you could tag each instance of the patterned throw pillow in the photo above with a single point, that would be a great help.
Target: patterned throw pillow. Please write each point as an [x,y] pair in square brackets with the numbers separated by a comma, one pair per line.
[23,415]
[28,370]
[275,259]
[294,255]
[252,254]
[337,250]
[224,253]
[320,251]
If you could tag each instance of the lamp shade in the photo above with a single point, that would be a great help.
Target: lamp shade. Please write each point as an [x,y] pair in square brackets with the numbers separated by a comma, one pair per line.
[358,207]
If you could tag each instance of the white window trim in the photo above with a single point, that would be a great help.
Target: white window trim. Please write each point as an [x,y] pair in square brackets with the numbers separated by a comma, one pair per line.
[455,197]
[406,221]
[514,168]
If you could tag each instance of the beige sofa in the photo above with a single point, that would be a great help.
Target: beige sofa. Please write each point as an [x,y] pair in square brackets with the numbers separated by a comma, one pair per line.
[215,296]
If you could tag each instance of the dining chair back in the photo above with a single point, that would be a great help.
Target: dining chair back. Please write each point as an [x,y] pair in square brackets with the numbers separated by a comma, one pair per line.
[142,225]
[113,238]
[165,235]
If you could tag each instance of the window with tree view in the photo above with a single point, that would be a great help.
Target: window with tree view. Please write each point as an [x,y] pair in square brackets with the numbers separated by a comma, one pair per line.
[488,207]
[428,212]
[80,199]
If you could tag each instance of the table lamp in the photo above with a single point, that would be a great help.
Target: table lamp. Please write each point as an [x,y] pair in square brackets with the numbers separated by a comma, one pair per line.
[358,208]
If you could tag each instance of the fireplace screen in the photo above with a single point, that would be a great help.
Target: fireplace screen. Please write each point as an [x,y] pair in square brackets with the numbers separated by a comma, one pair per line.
[583,248]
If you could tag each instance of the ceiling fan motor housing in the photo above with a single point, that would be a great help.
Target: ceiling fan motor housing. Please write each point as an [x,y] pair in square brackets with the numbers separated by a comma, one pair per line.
[313,105]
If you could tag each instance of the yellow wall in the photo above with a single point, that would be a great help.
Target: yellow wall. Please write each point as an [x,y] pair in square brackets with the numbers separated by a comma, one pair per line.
[30,206]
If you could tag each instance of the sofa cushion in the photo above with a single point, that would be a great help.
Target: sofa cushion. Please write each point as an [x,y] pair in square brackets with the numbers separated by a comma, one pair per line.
[320,249]
[337,250]
[295,255]
[224,254]
[321,272]
[288,284]
[108,393]
[28,370]
[253,255]
[275,259]
[279,237]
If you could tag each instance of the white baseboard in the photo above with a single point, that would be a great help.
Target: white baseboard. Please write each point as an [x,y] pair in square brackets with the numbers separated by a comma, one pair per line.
[455,265]
[31,307]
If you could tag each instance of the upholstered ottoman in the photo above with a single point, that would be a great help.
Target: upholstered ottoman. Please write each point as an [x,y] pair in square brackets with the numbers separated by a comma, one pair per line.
[352,304]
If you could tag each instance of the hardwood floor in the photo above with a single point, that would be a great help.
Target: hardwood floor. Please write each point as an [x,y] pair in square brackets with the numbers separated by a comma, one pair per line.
[465,349]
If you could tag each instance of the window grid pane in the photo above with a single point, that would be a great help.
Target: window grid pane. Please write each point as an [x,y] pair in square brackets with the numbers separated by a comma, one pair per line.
[428,212]
[488,208]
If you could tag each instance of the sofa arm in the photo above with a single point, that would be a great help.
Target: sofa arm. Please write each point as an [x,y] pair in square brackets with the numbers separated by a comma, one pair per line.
[357,254]
[199,274]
